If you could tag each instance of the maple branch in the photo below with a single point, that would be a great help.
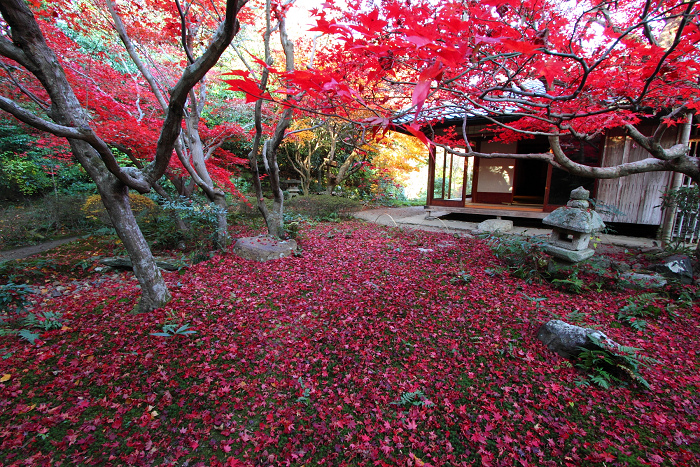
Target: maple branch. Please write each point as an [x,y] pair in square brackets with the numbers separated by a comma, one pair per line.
[131,50]
[545,156]
[207,188]
[24,90]
[653,146]
[311,128]
[620,170]
[663,125]
[190,77]
[183,30]
[39,123]
[11,51]
[213,147]
[245,62]
[671,48]
[646,26]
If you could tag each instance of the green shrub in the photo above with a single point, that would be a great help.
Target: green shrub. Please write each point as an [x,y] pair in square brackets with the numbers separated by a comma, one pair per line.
[323,207]
[141,206]
[20,175]
[160,227]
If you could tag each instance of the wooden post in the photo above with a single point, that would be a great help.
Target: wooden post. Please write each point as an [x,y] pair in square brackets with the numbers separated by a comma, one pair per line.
[676,182]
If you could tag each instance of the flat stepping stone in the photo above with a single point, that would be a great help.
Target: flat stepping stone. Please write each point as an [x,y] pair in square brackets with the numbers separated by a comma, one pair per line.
[124,262]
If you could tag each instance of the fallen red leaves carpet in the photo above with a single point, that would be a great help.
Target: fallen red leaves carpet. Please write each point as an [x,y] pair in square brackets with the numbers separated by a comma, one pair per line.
[361,351]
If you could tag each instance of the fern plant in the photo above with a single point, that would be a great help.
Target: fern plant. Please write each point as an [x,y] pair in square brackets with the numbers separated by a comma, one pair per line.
[13,297]
[461,278]
[306,393]
[572,283]
[416,398]
[170,330]
[22,325]
[641,306]
[47,320]
[609,366]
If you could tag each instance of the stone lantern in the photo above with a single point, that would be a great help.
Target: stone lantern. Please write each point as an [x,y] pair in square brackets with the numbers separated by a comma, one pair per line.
[572,227]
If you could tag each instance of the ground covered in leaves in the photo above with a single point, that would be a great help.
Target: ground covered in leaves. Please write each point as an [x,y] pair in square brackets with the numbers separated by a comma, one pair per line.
[374,346]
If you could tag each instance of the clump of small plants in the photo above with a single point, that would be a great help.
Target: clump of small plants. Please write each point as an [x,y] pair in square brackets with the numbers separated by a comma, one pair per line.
[608,364]
[523,256]
[16,320]
[174,326]
[642,306]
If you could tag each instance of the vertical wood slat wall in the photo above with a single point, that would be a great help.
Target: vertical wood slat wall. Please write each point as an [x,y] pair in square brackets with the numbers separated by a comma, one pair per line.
[635,199]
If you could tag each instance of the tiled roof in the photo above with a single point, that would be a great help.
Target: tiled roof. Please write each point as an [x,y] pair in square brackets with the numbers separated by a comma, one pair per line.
[454,111]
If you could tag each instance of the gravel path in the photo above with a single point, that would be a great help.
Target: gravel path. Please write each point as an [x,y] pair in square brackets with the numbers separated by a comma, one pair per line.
[24,252]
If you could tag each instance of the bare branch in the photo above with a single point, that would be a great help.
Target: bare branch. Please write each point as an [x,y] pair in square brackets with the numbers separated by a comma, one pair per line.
[628,168]
[131,50]
[183,31]
[44,105]
[39,123]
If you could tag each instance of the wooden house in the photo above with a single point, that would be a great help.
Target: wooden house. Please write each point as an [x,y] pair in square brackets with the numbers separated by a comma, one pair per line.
[529,188]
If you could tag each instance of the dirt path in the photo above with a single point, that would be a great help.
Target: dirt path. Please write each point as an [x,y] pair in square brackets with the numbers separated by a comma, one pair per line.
[24,252]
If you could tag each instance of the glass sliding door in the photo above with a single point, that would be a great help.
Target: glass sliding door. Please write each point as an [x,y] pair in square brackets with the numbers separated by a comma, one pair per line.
[449,182]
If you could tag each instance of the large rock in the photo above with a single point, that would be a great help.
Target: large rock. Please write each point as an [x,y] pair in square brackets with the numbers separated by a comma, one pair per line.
[264,248]
[677,267]
[566,339]
[124,262]
[639,281]
[495,225]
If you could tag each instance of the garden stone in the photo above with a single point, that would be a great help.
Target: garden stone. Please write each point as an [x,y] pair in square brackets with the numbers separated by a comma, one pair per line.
[638,281]
[124,262]
[495,225]
[117,263]
[572,256]
[621,266]
[263,248]
[677,267]
[566,339]
[602,262]
[580,193]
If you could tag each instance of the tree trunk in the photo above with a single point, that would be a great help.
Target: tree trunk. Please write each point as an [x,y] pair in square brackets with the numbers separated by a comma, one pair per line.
[221,239]
[330,188]
[115,197]
[275,219]
[95,157]
[306,185]
[154,292]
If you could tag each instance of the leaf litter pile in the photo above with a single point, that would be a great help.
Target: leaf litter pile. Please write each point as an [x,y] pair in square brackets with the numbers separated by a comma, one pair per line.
[362,350]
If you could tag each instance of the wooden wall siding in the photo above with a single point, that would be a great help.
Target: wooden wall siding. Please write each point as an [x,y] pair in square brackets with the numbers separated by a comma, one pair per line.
[637,197]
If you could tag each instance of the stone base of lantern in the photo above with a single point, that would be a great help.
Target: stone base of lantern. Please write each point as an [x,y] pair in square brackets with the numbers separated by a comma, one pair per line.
[568,255]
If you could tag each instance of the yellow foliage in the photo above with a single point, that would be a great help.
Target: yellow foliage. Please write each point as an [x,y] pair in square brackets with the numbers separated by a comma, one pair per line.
[401,154]
[140,205]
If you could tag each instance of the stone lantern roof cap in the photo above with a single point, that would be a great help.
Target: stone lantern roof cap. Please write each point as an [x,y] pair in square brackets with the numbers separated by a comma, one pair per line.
[575,219]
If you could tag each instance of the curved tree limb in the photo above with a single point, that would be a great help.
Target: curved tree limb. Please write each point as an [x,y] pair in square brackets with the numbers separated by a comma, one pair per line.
[191,76]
